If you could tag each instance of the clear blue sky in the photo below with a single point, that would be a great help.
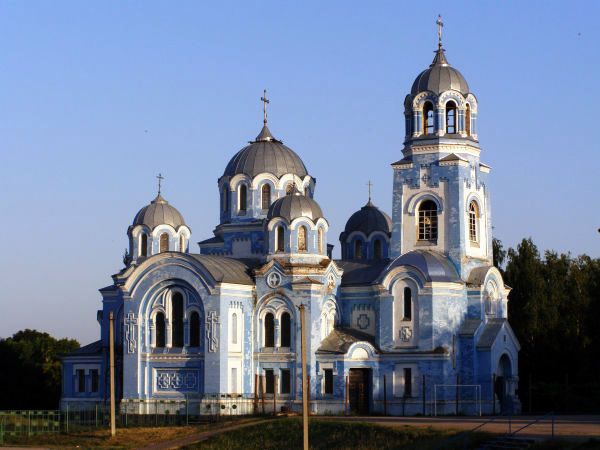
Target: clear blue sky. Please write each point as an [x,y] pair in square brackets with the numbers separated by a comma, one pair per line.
[96,98]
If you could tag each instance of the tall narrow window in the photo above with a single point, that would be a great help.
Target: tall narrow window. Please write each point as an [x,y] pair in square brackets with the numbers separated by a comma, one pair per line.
[285,330]
[266,196]
[407,304]
[195,329]
[94,379]
[269,330]
[328,376]
[182,243]
[451,118]
[243,199]
[144,245]
[407,382]
[289,189]
[468,120]
[177,319]
[377,252]
[279,239]
[302,238]
[358,249]
[269,381]
[160,330]
[225,199]
[164,242]
[320,239]
[80,380]
[285,381]
[428,221]
[473,223]
[429,120]
[234,380]
[234,329]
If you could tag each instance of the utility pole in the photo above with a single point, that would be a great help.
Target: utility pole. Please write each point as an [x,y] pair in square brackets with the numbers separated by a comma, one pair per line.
[304,378]
[111,346]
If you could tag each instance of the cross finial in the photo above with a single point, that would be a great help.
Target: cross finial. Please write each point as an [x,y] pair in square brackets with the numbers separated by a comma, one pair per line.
[160,178]
[265,101]
[440,25]
[370,185]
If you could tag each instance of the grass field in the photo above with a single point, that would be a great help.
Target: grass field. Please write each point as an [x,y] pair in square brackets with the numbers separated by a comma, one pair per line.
[328,434]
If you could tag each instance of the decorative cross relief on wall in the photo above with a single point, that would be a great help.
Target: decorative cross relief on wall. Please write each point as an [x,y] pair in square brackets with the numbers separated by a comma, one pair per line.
[405,334]
[130,323]
[177,380]
[274,279]
[212,321]
[363,321]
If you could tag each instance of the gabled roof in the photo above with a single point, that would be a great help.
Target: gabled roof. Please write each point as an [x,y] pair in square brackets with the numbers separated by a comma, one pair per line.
[469,327]
[490,332]
[361,272]
[93,349]
[340,340]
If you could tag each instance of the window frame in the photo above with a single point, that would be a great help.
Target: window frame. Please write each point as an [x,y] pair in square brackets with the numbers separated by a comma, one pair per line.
[451,108]
[328,382]
[242,199]
[265,196]
[427,222]
[428,122]
[474,215]
[269,330]
[163,242]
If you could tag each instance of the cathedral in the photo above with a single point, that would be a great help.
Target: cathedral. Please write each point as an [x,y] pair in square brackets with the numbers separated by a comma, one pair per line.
[412,319]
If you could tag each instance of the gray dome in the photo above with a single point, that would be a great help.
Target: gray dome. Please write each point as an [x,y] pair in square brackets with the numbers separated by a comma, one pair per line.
[158,212]
[435,266]
[369,219]
[266,154]
[293,206]
[440,77]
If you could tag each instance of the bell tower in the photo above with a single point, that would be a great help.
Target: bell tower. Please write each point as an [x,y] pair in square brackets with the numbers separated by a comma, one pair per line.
[440,199]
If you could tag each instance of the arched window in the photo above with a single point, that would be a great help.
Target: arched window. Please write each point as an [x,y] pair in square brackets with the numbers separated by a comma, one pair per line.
[159,323]
[289,189]
[234,329]
[407,304]
[164,242]
[225,199]
[468,120]
[195,329]
[144,245]
[358,249]
[473,222]
[302,238]
[428,119]
[177,319]
[279,241]
[266,196]
[320,239]
[428,221]
[182,243]
[286,331]
[377,251]
[243,198]
[451,118]
[269,330]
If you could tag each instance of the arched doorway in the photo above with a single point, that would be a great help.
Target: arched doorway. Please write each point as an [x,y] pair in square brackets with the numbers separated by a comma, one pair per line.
[502,390]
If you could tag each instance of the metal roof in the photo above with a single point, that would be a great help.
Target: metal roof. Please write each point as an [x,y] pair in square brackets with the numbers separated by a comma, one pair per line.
[478,274]
[265,154]
[293,206]
[228,270]
[469,327]
[361,272]
[439,77]
[489,333]
[435,266]
[340,340]
[95,348]
[158,212]
[369,219]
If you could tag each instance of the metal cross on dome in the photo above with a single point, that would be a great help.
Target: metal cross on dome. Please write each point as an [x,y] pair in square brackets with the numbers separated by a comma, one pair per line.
[370,187]
[265,101]
[160,178]
[440,25]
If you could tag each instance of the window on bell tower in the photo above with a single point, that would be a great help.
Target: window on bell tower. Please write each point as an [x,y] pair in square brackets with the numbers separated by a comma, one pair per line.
[451,118]
[428,221]
[468,120]
[428,118]
[473,222]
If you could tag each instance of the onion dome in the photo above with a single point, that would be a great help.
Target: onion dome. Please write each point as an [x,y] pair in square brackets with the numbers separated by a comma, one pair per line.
[158,212]
[293,206]
[369,219]
[265,154]
[440,77]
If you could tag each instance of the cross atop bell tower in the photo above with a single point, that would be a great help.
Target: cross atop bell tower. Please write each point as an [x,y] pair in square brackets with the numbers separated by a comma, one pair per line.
[440,26]
[265,102]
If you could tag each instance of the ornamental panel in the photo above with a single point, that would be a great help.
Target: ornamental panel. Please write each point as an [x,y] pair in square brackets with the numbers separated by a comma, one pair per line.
[177,380]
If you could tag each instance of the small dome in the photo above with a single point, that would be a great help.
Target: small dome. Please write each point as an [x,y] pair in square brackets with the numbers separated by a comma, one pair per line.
[435,266]
[158,212]
[440,77]
[293,206]
[369,219]
[266,154]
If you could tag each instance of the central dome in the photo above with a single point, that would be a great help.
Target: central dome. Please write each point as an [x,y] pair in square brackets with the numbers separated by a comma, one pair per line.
[266,154]
[440,77]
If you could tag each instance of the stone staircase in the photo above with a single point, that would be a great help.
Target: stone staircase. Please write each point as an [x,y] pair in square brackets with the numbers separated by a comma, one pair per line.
[507,442]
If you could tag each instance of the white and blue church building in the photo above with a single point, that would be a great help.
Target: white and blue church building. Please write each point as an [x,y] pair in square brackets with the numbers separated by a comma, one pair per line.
[413,307]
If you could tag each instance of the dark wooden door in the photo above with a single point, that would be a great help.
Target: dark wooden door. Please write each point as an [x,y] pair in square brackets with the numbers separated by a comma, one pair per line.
[359,391]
